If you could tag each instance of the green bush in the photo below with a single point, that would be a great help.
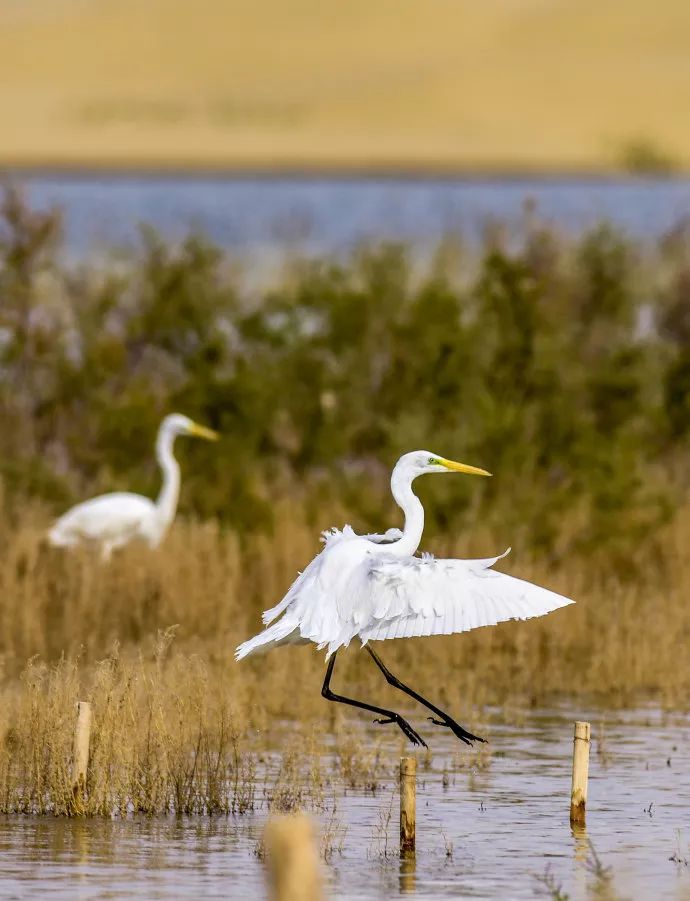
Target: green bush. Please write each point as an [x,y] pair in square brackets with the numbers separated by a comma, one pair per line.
[562,366]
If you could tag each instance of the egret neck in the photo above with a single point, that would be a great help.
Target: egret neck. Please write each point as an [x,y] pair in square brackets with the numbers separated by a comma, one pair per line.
[166,503]
[407,500]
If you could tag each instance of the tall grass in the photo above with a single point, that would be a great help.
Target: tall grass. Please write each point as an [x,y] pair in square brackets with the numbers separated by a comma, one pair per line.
[180,727]
[155,748]
[620,641]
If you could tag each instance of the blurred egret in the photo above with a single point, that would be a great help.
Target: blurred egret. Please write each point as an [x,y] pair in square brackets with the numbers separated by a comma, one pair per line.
[373,588]
[111,521]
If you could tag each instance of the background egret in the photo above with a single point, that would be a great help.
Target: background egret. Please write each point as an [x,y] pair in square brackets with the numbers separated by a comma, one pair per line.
[359,587]
[113,520]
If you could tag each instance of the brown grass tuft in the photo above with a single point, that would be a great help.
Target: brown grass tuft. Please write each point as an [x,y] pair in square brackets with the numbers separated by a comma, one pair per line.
[178,725]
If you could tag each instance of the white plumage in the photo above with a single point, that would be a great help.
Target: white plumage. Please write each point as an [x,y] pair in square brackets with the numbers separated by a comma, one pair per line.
[360,587]
[111,521]
[459,595]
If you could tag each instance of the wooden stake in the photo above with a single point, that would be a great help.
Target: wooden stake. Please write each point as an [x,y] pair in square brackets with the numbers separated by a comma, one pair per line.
[292,859]
[408,805]
[80,755]
[578,793]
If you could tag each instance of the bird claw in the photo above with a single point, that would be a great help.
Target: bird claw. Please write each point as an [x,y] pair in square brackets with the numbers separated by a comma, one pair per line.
[458,731]
[405,728]
[413,736]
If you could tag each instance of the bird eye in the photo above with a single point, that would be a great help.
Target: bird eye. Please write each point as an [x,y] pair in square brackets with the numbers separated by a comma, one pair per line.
[432,460]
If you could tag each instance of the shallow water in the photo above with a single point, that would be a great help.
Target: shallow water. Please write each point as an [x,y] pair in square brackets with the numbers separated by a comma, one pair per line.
[486,834]
[263,218]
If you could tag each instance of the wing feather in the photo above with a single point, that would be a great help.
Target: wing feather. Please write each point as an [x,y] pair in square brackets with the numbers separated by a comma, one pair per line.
[307,579]
[354,588]
[414,596]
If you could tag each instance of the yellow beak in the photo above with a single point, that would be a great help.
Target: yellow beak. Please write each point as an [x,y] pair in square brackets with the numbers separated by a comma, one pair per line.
[200,431]
[463,467]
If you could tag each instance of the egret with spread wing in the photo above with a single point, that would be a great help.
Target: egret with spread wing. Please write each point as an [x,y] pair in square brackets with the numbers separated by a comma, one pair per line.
[373,587]
[111,521]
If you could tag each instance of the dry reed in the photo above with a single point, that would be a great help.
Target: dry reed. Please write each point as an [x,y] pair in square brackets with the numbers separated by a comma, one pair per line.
[178,725]
[621,640]
[156,747]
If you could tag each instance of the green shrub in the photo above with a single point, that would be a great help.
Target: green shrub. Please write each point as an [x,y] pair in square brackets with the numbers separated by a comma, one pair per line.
[531,362]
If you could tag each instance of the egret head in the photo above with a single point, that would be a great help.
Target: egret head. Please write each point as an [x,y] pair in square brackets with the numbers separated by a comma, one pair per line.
[177,424]
[418,463]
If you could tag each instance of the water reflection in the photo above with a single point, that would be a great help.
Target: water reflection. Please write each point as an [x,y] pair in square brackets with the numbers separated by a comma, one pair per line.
[581,842]
[580,855]
[408,870]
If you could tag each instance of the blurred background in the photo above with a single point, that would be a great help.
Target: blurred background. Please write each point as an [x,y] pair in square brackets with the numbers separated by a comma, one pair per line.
[507,85]
[466,213]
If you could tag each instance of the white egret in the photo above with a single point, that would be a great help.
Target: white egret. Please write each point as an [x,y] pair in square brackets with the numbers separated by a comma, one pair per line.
[358,587]
[111,521]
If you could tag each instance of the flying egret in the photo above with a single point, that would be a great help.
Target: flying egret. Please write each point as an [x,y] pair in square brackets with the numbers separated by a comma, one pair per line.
[374,588]
[111,521]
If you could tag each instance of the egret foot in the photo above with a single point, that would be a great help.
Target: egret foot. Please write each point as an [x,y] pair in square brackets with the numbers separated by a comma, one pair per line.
[409,732]
[457,730]
[444,720]
[387,716]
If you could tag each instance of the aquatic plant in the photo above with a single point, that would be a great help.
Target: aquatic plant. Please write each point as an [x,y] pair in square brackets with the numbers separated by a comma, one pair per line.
[550,886]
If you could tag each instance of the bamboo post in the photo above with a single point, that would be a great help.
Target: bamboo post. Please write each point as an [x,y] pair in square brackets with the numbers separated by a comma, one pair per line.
[408,805]
[80,754]
[292,859]
[578,793]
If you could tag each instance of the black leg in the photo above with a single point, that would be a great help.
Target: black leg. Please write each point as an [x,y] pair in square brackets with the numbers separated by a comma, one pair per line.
[388,716]
[444,720]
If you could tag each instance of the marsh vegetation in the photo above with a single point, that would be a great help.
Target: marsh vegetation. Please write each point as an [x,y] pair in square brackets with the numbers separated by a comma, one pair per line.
[560,364]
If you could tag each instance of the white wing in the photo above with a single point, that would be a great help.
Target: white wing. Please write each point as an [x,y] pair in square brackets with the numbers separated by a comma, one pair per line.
[330,538]
[321,604]
[302,580]
[423,596]
[356,588]
[110,517]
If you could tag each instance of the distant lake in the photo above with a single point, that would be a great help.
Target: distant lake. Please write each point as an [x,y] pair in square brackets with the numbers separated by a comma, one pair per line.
[260,217]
